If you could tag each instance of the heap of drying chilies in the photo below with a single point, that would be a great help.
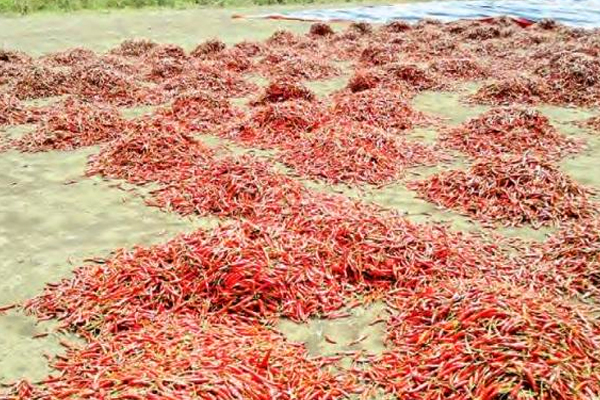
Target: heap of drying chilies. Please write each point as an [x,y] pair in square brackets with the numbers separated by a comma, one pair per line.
[72,124]
[469,316]
[510,130]
[354,152]
[513,190]
[14,112]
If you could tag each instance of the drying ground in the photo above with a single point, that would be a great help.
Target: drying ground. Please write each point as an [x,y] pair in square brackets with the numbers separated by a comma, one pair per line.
[321,143]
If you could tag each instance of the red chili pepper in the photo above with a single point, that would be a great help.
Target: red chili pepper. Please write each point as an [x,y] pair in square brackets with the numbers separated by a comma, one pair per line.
[8,307]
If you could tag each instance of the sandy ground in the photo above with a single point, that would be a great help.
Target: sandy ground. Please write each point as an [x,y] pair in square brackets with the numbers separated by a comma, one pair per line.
[52,217]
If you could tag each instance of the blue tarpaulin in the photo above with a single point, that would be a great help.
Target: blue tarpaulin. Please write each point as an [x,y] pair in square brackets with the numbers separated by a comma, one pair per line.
[580,13]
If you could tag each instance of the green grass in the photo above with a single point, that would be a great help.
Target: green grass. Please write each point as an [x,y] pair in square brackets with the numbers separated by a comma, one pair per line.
[30,6]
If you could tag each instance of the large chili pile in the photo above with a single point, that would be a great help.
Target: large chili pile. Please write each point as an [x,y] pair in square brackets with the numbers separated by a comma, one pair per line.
[383,108]
[468,315]
[149,150]
[486,340]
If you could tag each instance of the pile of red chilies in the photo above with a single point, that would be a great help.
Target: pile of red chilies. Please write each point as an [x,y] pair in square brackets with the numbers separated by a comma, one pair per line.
[512,130]
[510,190]
[280,91]
[210,357]
[195,317]
[379,55]
[200,111]
[207,77]
[517,89]
[569,260]
[150,150]
[414,76]
[481,339]
[37,81]
[134,48]
[234,186]
[566,78]
[297,67]
[350,152]
[468,69]
[277,124]
[70,57]
[380,107]
[12,64]
[573,77]
[235,60]
[71,124]
[97,82]
[14,112]
[365,79]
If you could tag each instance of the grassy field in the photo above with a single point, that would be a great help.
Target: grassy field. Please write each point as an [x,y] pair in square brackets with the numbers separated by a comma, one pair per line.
[32,6]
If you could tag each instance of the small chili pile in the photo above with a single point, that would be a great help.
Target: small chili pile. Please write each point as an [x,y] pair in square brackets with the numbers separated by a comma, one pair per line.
[134,47]
[209,49]
[71,124]
[574,78]
[12,65]
[280,91]
[277,124]
[379,107]
[235,60]
[283,65]
[364,79]
[351,152]
[515,130]
[250,49]
[517,89]
[201,111]
[379,55]
[14,112]
[204,76]
[467,69]
[103,84]
[512,190]
[231,187]
[164,61]
[69,58]
[35,82]
[570,259]
[150,150]
[414,76]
